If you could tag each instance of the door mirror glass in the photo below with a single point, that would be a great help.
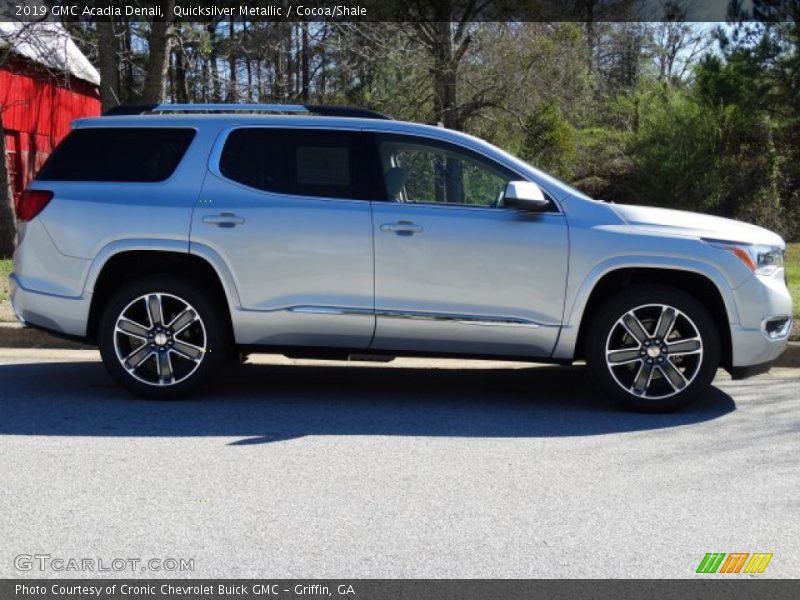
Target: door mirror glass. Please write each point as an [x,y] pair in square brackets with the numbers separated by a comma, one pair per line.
[525,195]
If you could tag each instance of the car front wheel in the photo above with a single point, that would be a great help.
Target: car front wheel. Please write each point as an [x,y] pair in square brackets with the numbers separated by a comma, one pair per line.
[653,348]
[160,338]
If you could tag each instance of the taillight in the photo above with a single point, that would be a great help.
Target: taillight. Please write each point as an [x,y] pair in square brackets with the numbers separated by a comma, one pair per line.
[31,203]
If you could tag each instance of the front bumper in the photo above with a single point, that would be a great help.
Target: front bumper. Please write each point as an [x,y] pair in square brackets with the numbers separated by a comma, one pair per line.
[761,302]
[61,314]
[751,371]
[753,347]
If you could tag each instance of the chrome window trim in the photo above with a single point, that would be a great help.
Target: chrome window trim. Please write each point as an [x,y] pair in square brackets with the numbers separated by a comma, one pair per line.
[490,209]
[219,143]
[508,165]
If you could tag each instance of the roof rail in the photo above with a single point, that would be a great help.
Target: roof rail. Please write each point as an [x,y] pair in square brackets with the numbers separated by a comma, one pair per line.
[331,110]
[129,109]
[323,110]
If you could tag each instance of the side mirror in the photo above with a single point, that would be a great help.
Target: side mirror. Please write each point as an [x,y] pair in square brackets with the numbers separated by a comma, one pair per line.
[525,195]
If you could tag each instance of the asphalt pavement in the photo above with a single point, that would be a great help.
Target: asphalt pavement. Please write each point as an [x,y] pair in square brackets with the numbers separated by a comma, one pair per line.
[411,469]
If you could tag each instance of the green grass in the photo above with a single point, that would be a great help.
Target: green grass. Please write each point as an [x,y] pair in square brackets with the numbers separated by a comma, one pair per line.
[5,270]
[793,273]
[5,305]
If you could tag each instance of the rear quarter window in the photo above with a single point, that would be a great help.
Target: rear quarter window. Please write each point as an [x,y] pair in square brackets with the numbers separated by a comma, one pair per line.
[141,154]
[303,162]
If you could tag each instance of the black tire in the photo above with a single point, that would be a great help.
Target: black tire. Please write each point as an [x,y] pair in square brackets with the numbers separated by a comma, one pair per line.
[187,372]
[668,368]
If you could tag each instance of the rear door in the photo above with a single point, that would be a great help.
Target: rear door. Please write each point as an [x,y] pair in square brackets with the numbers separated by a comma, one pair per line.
[288,212]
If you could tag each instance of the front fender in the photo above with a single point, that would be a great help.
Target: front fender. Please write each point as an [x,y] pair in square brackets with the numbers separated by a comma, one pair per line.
[578,297]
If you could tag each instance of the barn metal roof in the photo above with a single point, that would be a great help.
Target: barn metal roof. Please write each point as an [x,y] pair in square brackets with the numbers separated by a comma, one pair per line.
[50,45]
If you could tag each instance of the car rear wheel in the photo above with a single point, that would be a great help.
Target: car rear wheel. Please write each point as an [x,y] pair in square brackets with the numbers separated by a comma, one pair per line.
[653,348]
[160,338]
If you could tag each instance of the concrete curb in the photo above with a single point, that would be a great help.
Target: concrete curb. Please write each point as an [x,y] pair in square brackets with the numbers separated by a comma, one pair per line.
[790,356]
[14,335]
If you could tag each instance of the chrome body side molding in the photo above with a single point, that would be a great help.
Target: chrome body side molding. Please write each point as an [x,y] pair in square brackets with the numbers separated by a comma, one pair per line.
[479,320]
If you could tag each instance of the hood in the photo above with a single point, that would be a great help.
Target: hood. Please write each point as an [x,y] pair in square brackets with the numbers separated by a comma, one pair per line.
[689,224]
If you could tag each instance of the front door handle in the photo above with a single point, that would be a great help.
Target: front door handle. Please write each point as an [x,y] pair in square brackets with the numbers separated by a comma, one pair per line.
[402,227]
[225,219]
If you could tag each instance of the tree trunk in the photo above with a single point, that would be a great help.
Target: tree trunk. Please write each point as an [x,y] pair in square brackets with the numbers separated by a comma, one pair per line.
[591,37]
[247,62]
[206,94]
[295,50]
[108,58]
[171,75]
[283,50]
[259,82]
[232,93]
[216,96]
[158,61]
[127,82]
[445,77]
[305,63]
[8,224]
[181,88]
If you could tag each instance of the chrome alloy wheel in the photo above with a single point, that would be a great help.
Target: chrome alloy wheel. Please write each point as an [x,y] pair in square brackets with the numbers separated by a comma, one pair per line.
[160,339]
[654,351]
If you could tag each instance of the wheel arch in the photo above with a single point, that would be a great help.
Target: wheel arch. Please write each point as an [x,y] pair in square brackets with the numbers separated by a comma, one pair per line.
[704,286]
[128,263]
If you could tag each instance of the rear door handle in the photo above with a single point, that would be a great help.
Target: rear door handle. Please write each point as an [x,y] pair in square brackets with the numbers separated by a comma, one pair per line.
[402,227]
[225,219]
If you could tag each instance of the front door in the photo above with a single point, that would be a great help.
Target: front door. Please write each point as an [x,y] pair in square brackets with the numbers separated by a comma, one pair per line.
[455,270]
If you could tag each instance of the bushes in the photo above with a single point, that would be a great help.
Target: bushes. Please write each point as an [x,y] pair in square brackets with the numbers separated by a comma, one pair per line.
[691,154]
[549,140]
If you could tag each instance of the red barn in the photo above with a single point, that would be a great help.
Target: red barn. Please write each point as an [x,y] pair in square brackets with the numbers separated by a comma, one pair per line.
[45,83]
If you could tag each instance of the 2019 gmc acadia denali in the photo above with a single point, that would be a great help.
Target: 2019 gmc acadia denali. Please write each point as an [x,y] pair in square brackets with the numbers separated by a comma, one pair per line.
[172,239]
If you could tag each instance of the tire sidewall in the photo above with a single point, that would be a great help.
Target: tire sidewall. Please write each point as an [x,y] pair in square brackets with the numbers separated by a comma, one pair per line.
[217,335]
[631,298]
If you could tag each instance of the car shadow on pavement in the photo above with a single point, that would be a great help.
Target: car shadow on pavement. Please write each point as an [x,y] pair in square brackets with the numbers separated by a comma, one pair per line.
[261,403]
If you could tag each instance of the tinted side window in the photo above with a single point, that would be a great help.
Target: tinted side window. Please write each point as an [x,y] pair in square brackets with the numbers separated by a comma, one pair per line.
[118,154]
[420,170]
[303,162]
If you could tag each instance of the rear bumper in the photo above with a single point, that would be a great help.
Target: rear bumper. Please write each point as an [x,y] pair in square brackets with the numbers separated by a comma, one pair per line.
[59,314]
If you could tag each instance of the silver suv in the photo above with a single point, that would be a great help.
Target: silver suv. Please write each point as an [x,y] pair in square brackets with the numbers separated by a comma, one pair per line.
[176,239]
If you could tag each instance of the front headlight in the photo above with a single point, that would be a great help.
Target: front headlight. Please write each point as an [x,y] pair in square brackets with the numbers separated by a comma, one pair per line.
[759,258]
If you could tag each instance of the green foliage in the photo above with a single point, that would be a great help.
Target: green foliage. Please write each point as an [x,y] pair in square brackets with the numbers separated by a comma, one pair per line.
[711,157]
[726,142]
[6,314]
[793,275]
[549,140]
[602,167]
